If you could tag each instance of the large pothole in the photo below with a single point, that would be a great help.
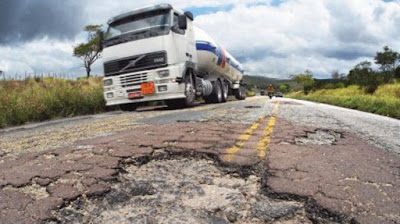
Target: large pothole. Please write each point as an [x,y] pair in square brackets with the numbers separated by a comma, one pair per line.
[319,137]
[183,190]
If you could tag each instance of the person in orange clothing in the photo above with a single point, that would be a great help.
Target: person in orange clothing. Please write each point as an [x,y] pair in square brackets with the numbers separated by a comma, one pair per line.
[271,91]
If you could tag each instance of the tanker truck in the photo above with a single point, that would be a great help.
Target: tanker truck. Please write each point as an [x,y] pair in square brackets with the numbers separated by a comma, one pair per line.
[157,54]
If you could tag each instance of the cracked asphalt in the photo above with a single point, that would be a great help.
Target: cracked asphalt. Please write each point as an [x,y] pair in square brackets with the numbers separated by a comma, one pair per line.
[252,161]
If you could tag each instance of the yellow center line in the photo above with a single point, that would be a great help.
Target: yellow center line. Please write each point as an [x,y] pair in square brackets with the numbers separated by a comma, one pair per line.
[230,152]
[264,142]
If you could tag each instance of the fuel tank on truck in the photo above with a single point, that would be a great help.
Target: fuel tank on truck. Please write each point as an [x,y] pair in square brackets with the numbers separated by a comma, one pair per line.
[213,59]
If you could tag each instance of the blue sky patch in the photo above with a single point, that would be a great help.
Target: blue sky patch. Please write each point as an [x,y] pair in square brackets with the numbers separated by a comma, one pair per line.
[277,2]
[197,11]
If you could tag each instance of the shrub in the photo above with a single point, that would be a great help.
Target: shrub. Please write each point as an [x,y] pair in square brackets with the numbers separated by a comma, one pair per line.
[340,85]
[48,98]
[250,93]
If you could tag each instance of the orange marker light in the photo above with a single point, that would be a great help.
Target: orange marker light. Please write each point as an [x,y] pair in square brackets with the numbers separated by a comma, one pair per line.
[148,88]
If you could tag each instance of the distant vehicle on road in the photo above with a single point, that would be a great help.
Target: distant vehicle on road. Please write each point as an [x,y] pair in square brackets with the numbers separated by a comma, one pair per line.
[157,54]
[262,93]
[279,94]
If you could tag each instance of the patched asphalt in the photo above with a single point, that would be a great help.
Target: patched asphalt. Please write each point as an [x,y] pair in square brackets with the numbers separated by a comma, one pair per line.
[201,165]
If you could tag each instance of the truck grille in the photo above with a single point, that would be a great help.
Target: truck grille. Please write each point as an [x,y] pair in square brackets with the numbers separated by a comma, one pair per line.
[135,63]
[133,80]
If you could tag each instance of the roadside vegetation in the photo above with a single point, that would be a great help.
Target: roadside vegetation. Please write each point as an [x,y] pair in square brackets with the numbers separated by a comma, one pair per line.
[363,88]
[37,99]
[385,101]
[250,93]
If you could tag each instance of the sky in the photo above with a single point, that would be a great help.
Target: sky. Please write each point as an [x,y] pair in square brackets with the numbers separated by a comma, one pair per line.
[272,38]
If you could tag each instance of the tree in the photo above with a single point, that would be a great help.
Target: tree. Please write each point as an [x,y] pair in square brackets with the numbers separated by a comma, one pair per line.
[90,51]
[397,72]
[342,76]
[360,73]
[306,80]
[283,88]
[335,75]
[387,59]
[363,75]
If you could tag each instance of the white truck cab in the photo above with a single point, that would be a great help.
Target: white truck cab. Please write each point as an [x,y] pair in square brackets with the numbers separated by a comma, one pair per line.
[150,54]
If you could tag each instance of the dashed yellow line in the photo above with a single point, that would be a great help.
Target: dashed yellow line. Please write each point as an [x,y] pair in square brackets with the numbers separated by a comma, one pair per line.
[264,142]
[230,152]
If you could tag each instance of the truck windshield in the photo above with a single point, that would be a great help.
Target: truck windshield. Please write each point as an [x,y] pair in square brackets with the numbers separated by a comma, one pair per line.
[139,23]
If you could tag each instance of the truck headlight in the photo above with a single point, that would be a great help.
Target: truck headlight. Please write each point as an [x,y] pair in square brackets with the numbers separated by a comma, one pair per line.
[108,82]
[162,88]
[165,81]
[163,73]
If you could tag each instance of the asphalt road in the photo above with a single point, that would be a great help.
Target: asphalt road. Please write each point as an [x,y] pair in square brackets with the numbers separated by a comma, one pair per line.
[252,161]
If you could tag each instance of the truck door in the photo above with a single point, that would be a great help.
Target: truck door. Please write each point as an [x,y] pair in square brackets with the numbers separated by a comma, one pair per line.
[183,42]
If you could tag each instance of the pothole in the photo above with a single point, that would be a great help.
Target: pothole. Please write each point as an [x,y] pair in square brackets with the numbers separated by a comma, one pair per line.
[183,190]
[287,103]
[35,191]
[252,107]
[49,156]
[2,153]
[319,137]
[187,121]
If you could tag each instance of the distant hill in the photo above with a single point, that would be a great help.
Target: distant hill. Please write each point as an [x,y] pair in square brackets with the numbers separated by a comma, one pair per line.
[262,82]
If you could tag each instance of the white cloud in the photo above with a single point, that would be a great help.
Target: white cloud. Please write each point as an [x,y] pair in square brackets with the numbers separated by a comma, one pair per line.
[305,34]
[44,55]
[270,40]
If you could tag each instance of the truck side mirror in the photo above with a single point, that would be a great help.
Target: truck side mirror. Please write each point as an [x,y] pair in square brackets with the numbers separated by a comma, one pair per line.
[189,15]
[182,22]
[101,39]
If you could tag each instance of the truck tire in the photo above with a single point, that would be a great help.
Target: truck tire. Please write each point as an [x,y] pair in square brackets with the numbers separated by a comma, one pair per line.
[216,95]
[225,91]
[128,107]
[190,93]
[190,90]
[243,90]
[240,93]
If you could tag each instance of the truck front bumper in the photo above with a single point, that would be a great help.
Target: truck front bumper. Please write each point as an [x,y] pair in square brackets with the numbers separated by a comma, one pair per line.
[166,88]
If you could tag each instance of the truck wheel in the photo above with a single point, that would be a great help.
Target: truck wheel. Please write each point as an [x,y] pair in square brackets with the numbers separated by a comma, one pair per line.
[240,93]
[190,93]
[243,90]
[216,95]
[225,90]
[128,107]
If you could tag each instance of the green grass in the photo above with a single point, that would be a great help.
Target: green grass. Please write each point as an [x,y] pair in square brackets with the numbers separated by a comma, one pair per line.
[250,94]
[385,101]
[48,98]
